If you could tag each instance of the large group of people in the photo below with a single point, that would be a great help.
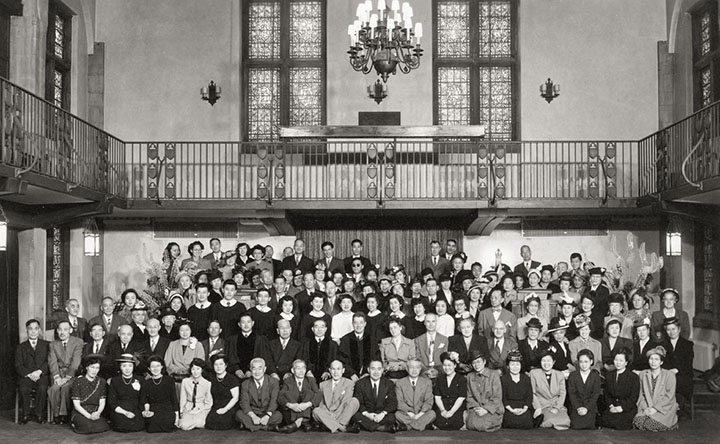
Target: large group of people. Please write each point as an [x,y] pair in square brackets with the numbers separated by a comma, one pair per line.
[338,345]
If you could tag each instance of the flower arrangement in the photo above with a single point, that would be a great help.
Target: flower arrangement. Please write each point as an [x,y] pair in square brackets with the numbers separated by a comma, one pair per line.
[156,291]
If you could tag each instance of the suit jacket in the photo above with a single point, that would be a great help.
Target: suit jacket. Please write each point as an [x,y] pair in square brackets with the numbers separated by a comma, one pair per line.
[82,326]
[486,320]
[389,355]
[622,390]
[531,358]
[414,399]
[443,266]
[496,360]
[336,266]
[607,352]
[210,257]
[385,400]
[562,357]
[107,366]
[289,393]
[259,402]
[356,355]
[521,270]
[478,344]
[239,357]
[303,302]
[65,362]
[548,395]
[305,265]
[602,293]
[319,355]
[277,360]
[116,322]
[138,335]
[422,350]
[336,399]
[160,348]
[431,305]
[218,348]
[28,360]
[584,394]
[347,262]
[135,348]
[640,361]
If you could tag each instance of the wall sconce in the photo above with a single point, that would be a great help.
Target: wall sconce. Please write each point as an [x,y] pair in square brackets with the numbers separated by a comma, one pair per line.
[673,239]
[549,90]
[378,91]
[211,93]
[3,230]
[91,238]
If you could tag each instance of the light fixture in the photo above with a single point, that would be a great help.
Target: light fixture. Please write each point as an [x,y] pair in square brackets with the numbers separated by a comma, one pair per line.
[211,93]
[3,230]
[91,238]
[384,40]
[673,239]
[549,90]
[378,91]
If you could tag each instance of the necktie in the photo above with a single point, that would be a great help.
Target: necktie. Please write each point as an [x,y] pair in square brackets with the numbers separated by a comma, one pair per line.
[212,343]
[64,346]
[109,323]
[33,344]
[74,324]
[434,260]
[297,259]
[333,386]
[96,348]
[153,343]
[194,395]
[375,389]
[497,345]
[124,346]
[299,386]
[259,385]
[413,384]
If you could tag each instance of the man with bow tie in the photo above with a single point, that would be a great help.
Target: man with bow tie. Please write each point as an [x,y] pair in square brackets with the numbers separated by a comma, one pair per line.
[63,362]
[488,317]
[298,396]
[31,365]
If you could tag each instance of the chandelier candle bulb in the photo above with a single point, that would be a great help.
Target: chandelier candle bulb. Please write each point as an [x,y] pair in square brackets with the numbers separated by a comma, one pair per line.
[395,5]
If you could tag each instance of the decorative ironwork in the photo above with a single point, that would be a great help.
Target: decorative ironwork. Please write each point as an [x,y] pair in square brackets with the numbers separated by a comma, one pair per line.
[13,130]
[57,269]
[279,172]
[58,88]
[495,29]
[264,30]
[389,160]
[263,172]
[706,87]
[453,29]
[593,169]
[306,30]
[708,294]
[372,170]
[483,168]
[306,92]
[169,165]
[264,104]
[453,96]
[496,103]
[153,170]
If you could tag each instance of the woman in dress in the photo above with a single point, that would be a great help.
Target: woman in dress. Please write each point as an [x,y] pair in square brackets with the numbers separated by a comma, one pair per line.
[225,392]
[532,309]
[445,322]
[124,397]
[177,304]
[532,346]
[639,306]
[474,305]
[159,399]
[484,399]
[549,395]
[622,388]
[670,297]
[583,388]
[88,394]
[396,351]
[566,313]
[517,394]
[195,397]
[657,406]
[128,297]
[450,392]
[376,320]
[395,311]
[171,261]
[579,280]
[181,352]
[317,303]
[342,322]
[587,308]
[416,325]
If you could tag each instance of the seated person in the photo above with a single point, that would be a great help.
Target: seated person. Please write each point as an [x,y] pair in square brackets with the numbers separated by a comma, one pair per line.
[559,346]
[585,341]
[98,345]
[450,392]
[616,303]
[611,342]
[298,396]
[414,399]
[532,346]
[154,343]
[622,388]
[549,394]
[484,398]
[338,404]
[63,362]
[259,400]
[319,351]
[225,393]
[124,397]
[358,348]
[490,316]
[376,397]
[242,348]
[158,397]
[213,342]
[396,351]
[499,345]
[583,388]
[124,344]
[31,366]
[195,398]
[88,393]
[517,394]
[467,344]
[182,352]
[429,346]
[641,344]
[279,353]
[657,405]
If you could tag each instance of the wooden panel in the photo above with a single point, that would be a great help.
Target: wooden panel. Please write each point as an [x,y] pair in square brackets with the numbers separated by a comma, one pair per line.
[340,131]
[8,319]
[379,118]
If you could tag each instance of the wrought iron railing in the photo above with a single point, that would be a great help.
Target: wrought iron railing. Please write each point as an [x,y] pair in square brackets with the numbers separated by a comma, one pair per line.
[686,153]
[41,138]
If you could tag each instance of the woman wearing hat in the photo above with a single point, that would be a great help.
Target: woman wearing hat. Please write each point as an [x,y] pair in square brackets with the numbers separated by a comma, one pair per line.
[484,397]
[225,392]
[584,341]
[639,306]
[616,304]
[195,398]
[549,394]
[657,405]
[168,319]
[517,394]
[124,397]
[566,289]
[181,353]
[533,305]
[450,391]
[566,313]
[176,302]
[589,308]
[533,277]
[546,275]
[559,347]
[184,289]
[579,281]
[670,297]
[641,344]
[158,397]
[611,343]
[584,390]
[88,394]
[532,346]
[622,388]
[679,360]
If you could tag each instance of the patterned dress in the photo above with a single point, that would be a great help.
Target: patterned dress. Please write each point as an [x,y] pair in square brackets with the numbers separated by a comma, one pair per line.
[89,393]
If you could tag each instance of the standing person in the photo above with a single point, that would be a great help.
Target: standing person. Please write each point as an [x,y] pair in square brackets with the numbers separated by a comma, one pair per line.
[524,267]
[64,359]
[124,397]
[298,397]
[195,262]
[329,263]
[584,341]
[484,398]
[200,314]
[298,260]
[496,313]
[549,395]
[583,388]
[262,315]
[517,395]
[216,255]
[616,303]
[415,400]
[436,262]
[358,348]
[602,293]
[679,360]
[622,388]
[670,298]
[242,347]
[338,404]
[225,394]
[356,246]
[195,398]
[31,366]
[657,405]
[72,314]
[377,401]
[159,399]
[229,310]
[108,319]
[342,322]
[450,391]
[532,307]
[88,394]
[259,400]
[611,342]
[171,261]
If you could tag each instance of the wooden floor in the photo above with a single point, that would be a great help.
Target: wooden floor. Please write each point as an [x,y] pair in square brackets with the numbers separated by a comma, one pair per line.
[704,430]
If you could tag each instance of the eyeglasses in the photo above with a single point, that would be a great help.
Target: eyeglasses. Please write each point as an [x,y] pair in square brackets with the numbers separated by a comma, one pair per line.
[357,265]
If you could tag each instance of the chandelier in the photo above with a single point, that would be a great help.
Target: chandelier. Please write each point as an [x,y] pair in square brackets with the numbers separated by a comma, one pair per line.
[384,40]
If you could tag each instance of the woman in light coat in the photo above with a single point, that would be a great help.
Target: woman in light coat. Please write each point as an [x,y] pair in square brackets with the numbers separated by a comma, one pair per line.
[195,398]
[549,394]
[396,351]
[657,406]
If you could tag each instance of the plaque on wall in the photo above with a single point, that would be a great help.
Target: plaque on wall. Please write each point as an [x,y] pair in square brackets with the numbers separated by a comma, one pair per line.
[379,118]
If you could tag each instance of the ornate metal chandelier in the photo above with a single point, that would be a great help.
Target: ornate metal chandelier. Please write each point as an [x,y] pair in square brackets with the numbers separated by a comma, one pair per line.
[384,40]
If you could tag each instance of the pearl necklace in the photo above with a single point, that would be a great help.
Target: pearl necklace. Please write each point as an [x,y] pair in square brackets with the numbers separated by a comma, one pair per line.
[127,383]
[159,379]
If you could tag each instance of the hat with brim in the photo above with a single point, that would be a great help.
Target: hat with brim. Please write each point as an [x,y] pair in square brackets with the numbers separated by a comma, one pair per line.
[566,300]
[384,277]
[490,274]
[670,321]
[514,356]
[473,287]
[139,306]
[582,274]
[549,268]
[659,350]
[643,322]
[127,357]
[534,323]
[534,271]
[477,355]
[566,276]
[582,321]
[596,271]
[616,298]
[167,311]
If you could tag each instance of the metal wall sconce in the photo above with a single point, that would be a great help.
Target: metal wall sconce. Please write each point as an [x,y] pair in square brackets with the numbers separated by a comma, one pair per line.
[673,238]
[549,90]
[91,238]
[211,93]
[3,230]
[378,91]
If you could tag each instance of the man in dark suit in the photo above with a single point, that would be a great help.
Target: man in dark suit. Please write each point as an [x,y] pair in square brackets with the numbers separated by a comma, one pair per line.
[329,263]
[31,365]
[139,317]
[63,362]
[72,315]
[109,320]
[357,250]
[279,291]
[98,345]
[298,396]
[242,347]
[213,344]
[154,344]
[527,264]
[305,297]
[377,399]
[358,348]
[299,260]
[319,351]
[125,344]
[450,249]
[279,353]
[435,261]
[216,255]
[467,345]
[259,400]
[432,288]
[499,345]
[276,264]
[429,346]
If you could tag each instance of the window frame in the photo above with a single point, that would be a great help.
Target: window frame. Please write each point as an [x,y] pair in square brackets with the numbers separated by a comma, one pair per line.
[711,60]
[475,63]
[284,63]
[52,62]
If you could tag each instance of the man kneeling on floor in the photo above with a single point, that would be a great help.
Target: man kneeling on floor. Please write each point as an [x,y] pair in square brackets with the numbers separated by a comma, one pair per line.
[258,400]
[414,399]
[376,396]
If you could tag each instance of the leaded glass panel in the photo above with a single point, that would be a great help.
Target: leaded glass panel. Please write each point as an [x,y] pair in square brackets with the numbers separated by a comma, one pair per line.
[57,261]
[705,24]
[59,36]
[58,85]
[453,25]
[305,30]
[706,86]
[454,96]
[306,96]
[264,30]
[263,104]
[496,102]
[495,29]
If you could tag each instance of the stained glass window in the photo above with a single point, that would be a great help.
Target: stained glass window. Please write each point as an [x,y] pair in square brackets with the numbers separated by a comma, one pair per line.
[57,270]
[285,66]
[59,36]
[706,53]
[58,60]
[476,65]
[58,85]
[706,86]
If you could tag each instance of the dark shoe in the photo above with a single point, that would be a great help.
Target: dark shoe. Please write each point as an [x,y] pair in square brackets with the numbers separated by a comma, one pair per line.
[317,427]
[23,420]
[41,420]
[352,428]
[290,428]
[401,427]
[306,426]
[273,428]
[392,429]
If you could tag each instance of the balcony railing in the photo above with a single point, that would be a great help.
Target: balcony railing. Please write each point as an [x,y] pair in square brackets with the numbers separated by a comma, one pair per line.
[41,138]
[686,153]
